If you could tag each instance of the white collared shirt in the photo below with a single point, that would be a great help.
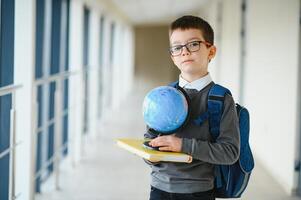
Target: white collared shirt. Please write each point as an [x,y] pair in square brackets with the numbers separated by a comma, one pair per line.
[198,84]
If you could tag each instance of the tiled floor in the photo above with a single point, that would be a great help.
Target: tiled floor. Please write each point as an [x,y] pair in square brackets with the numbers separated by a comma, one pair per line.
[109,173]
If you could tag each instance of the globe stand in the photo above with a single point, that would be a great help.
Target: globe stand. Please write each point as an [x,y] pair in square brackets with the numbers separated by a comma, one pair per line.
[148,146]
[152,134]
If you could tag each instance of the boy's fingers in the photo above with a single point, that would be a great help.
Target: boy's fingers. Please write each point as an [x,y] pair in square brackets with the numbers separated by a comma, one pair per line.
[167,143]
[161,141]
[165,148]
[158,143]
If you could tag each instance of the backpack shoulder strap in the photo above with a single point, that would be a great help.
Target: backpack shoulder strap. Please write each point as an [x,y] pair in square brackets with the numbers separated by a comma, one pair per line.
[215,103]
[215,106]
[174,84]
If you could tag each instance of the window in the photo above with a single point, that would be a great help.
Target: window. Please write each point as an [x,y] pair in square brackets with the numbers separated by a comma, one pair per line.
[100,67]
[51,61]
[86,67]
[6,78]
[111,65]
[243,32]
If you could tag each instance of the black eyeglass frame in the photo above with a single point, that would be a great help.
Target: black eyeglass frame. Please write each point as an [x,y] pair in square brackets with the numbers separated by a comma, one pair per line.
[186,45]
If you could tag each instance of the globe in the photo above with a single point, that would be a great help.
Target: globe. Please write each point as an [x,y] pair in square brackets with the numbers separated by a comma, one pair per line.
[165,109]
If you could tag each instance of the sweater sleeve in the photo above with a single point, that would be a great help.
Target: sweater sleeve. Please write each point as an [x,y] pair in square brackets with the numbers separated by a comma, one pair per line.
[225,150]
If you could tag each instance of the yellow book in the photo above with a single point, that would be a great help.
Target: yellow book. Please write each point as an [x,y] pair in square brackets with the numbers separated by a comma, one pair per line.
[136,146]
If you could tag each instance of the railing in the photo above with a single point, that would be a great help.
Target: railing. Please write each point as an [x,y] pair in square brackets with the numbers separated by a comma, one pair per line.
[57,121]
[59,113]
[11,90]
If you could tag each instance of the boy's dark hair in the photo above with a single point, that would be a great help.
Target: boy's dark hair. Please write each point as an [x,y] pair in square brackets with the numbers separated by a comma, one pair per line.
[189,21]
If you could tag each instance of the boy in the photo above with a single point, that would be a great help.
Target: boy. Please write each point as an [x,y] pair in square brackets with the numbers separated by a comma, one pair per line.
[192,48]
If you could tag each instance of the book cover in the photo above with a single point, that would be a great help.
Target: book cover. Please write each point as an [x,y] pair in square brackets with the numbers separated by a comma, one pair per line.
[136,146]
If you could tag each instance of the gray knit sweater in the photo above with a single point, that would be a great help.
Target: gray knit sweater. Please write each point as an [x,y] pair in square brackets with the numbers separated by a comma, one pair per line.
[198,176]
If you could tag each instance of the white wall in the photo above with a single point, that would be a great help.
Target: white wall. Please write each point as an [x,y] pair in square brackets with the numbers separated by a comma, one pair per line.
[271,76]
[225,19]
[117,66]
[128,60]
[210,13]
[106,63]
[76,81]
[93,70]
[229,49]
[117,74]
[24,74]
[123,66]
[271,84]
[117,79]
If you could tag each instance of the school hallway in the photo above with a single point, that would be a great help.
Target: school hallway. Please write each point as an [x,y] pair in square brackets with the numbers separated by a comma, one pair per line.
[107,172]
[73,75]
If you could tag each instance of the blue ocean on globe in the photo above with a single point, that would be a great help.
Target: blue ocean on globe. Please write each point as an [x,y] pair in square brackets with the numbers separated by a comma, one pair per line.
[165,109]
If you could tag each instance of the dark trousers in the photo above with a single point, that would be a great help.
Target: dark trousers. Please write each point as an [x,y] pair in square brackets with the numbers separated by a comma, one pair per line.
[157,194]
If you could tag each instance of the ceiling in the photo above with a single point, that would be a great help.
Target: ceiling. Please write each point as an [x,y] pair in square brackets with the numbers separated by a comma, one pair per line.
[143,12]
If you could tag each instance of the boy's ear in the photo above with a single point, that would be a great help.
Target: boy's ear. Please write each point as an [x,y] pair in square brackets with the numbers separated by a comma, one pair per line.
[212,52]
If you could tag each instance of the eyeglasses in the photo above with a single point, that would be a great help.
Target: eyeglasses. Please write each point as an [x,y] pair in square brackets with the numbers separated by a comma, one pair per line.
[190,46]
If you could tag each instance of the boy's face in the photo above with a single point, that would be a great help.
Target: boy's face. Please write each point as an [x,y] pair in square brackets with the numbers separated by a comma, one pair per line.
[191,63]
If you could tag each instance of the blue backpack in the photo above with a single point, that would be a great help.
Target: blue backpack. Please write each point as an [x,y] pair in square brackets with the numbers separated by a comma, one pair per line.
[230,180]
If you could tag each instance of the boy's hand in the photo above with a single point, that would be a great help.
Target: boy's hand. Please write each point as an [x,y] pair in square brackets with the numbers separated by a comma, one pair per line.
[167,143]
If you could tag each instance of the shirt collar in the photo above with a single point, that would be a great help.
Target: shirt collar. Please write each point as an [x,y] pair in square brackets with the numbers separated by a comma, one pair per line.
[198,84]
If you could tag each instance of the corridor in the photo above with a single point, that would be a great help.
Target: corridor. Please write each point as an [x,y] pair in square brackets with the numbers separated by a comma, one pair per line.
[107,172]
[73,75]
